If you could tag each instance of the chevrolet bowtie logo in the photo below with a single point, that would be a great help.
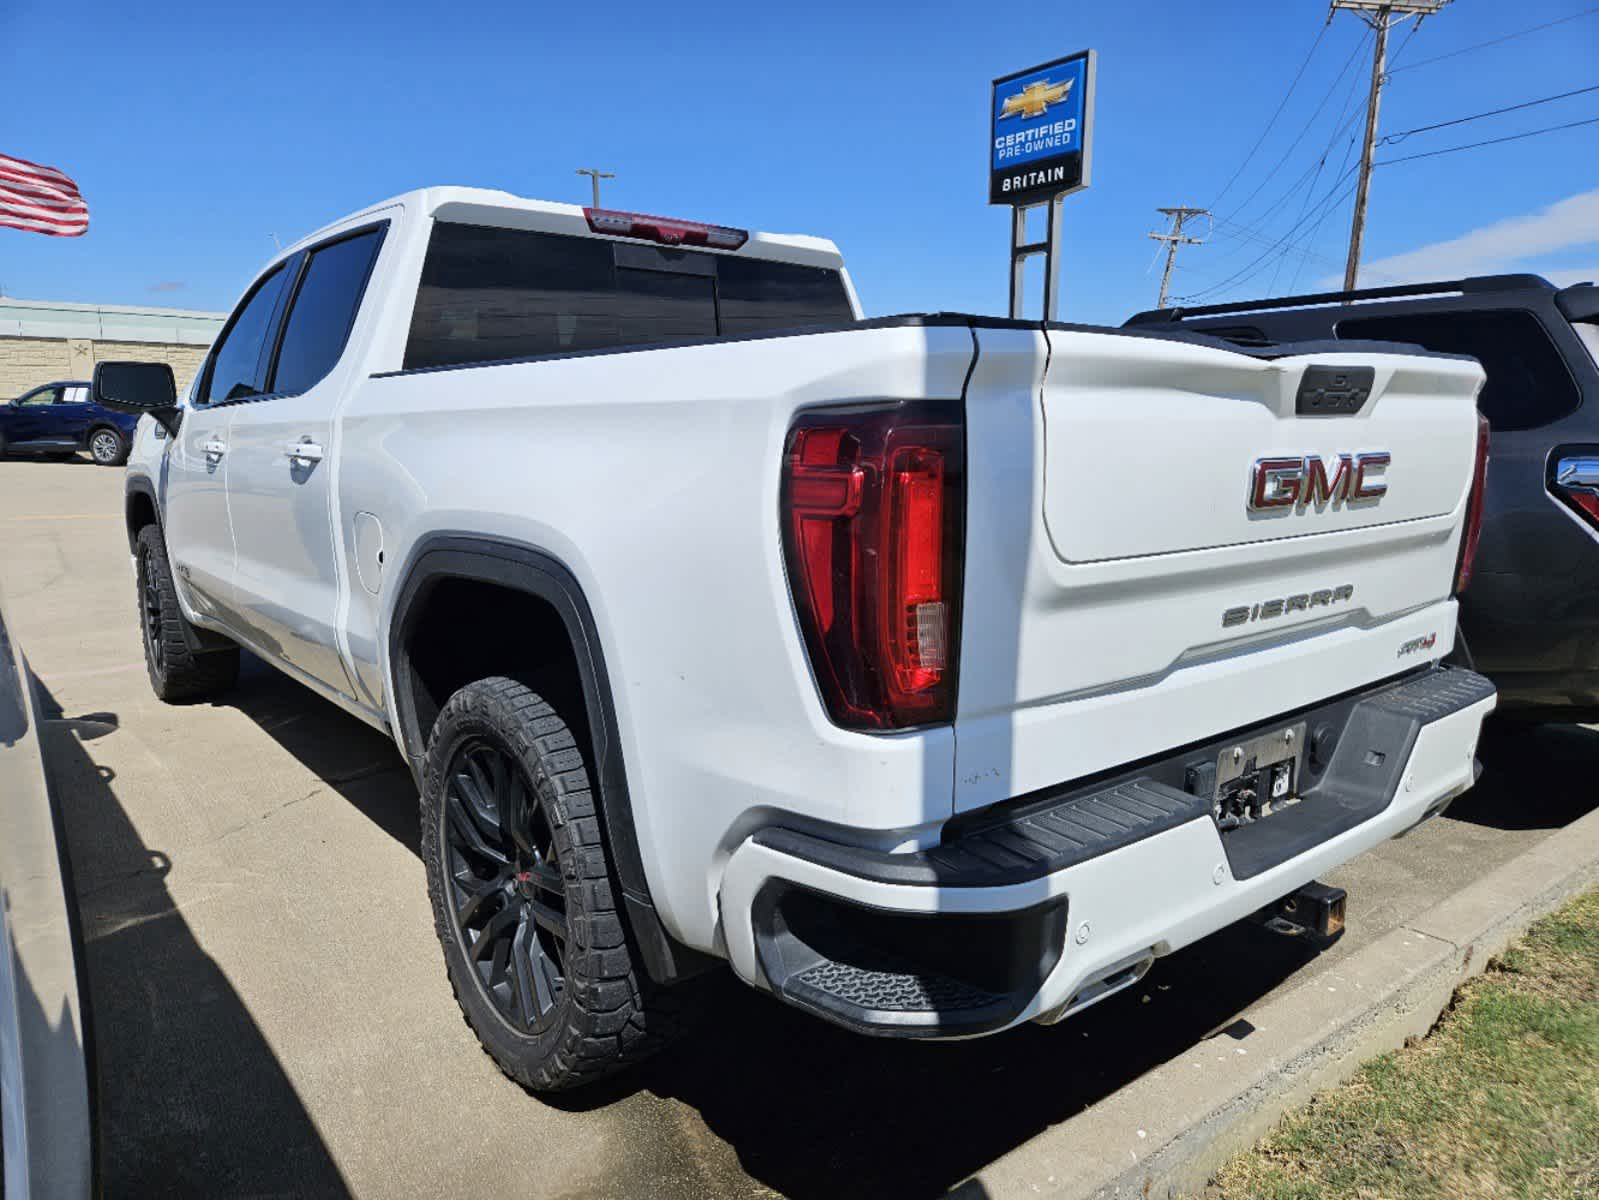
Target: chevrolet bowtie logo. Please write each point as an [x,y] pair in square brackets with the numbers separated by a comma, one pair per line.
[1035,98]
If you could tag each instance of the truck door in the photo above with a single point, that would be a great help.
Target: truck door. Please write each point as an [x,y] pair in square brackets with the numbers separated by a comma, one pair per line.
[287,576]
[199,537]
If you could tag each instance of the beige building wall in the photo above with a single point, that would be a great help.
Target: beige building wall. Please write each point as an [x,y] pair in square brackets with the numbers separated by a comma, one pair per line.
[26,362]
[42,341]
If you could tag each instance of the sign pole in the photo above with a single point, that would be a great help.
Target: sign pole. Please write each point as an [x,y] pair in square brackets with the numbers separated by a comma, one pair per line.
[1019,253]
[1041,138]
[1057,205]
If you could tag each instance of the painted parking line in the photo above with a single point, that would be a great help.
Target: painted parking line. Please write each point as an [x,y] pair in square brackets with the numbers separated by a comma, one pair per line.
[63,517]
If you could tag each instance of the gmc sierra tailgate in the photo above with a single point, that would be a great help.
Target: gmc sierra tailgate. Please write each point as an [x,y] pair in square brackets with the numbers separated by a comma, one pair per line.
[1169,539]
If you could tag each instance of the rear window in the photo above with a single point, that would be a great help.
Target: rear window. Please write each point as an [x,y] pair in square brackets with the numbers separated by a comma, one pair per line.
[1528,382]
[490,294]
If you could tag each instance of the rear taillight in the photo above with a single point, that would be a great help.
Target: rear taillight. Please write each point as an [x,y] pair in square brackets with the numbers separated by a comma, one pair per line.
[1575,480]
[873,512]
[1473,531]
[666,230]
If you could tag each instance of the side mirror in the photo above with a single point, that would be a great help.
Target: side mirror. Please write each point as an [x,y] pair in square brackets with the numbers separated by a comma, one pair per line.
[138,387]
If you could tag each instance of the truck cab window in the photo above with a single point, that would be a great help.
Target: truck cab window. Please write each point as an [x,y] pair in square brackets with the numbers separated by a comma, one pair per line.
[236,367]
[318,324]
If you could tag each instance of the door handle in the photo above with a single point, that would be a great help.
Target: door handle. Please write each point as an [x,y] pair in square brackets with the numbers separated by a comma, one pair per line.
[214,448]
[303,451]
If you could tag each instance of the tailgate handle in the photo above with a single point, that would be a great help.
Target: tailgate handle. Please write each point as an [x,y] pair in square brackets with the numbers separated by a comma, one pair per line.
[1334,391]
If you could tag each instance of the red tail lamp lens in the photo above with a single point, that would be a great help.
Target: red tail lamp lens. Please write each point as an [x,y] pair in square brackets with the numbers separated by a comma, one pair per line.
[1472,535]
[873,509]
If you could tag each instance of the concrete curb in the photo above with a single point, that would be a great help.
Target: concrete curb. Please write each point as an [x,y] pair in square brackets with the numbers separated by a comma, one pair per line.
[1166,1133]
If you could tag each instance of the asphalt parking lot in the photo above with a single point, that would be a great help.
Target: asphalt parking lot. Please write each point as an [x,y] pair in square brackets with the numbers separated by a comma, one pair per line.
[271,1014]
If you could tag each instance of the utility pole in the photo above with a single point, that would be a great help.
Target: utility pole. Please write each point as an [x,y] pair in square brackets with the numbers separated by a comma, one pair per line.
[1381,15]
[1174,239]
[594,177]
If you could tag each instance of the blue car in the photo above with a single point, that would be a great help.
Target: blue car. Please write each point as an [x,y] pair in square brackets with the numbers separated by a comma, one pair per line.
[61,419]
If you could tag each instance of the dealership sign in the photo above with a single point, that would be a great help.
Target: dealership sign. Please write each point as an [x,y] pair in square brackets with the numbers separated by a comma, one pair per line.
[1041,131]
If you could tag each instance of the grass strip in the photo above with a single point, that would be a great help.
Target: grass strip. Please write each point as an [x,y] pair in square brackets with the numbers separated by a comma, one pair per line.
[1500,1100]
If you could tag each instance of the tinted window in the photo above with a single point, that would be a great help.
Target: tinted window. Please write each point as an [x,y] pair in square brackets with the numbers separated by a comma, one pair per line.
[758,295]
[1528,383]
[236,366]
[41,397]
[319,322]
[493,294]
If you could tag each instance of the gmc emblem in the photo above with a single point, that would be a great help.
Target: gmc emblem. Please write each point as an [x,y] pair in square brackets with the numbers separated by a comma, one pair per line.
[1292,483]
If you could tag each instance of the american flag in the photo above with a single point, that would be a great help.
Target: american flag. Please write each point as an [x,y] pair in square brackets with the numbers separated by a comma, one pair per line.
[40,199]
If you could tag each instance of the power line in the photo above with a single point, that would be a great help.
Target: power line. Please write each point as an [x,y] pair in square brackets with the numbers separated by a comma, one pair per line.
[1403,46]
[1308,178]
[1248,233]
[1310,234]
[1294,145]
[1394,138]
[1345,119]
[1282,104]
[1333,196]
[1515,137]
[1587,12]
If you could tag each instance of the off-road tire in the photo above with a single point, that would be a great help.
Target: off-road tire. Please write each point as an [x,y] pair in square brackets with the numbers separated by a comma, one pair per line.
[607,1014]
[123,446]
[177,672]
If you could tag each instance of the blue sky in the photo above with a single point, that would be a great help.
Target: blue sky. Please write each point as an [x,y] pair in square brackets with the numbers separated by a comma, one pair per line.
[198,130]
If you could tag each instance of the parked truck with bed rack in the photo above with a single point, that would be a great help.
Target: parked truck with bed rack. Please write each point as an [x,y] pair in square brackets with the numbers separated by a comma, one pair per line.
[938,673]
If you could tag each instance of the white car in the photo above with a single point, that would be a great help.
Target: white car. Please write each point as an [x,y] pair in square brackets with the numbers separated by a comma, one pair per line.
[47,1078]
[937,672]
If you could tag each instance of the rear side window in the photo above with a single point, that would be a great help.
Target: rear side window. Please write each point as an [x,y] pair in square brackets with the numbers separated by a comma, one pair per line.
[1528,383]
[324,309]
[489,295]
[758,295]
[236,364]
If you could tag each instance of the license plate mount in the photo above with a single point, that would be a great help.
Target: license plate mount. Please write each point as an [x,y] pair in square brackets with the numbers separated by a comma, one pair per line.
[1258,777]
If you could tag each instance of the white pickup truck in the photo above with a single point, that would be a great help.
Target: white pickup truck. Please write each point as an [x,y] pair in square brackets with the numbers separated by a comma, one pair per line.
[938,673]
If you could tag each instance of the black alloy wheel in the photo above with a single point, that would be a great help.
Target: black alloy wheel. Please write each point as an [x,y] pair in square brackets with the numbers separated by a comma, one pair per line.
[179,668]
[505,885]
[150,610]
[524,899]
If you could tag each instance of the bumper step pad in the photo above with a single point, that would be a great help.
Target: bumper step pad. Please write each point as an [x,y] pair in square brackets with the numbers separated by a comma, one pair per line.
[1033,837]
[883,989]
[948,974]
[1028,843]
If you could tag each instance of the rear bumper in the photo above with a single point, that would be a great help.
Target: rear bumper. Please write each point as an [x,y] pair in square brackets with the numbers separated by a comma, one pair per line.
[1048,904]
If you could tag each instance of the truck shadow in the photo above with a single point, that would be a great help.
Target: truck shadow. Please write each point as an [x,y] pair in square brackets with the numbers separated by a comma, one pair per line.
[809,1110]
[814,1111]
[1534,776]
[192,1100]
[352,758]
